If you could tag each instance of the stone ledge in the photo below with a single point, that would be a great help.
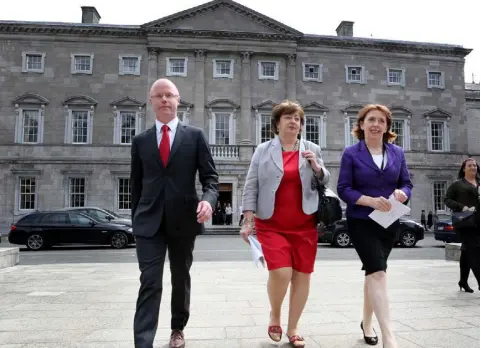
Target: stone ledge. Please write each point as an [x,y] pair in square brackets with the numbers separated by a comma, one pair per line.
[9,257]
[452,251]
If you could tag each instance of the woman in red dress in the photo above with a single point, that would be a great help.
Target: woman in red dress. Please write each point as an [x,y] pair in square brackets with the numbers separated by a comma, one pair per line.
[280,192]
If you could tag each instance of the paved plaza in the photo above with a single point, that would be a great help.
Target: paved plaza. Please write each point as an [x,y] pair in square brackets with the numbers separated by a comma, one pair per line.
[92,305]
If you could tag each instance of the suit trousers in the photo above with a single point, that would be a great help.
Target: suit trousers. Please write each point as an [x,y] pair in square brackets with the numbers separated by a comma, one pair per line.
[151,252]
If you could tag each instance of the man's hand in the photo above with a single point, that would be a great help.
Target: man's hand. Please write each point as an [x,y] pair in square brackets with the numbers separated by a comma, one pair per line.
[204,211]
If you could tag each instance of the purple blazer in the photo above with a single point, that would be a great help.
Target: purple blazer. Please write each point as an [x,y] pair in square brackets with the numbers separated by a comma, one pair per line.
[359,175]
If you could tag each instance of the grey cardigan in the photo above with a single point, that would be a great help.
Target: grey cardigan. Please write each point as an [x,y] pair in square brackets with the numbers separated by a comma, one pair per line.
[265,174]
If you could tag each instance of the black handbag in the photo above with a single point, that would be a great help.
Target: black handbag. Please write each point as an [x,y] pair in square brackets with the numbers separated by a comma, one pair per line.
[464,219]
[329,209]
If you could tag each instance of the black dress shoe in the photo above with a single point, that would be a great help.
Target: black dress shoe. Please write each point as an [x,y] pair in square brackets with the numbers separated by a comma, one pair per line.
[369,340]
[465,287]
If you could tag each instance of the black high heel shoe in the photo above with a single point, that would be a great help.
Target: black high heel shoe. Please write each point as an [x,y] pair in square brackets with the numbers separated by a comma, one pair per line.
[369,340]
[465,287]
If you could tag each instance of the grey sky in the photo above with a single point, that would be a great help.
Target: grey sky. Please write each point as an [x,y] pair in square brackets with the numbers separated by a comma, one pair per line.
[408,20]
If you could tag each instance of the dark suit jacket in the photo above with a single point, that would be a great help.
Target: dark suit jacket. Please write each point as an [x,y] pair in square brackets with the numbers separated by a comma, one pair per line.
[359,175]
[170,192]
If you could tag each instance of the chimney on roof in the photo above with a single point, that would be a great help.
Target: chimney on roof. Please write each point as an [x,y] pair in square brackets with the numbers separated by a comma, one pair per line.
[90,15]
[346,28]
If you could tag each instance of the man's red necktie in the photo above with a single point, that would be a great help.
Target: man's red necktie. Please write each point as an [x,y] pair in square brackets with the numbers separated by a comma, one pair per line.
[164,147]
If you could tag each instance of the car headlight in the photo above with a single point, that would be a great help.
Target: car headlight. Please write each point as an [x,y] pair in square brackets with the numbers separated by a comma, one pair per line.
[129,230]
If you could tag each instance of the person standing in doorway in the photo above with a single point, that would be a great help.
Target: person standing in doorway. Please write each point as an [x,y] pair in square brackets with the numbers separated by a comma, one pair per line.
[430,220]
[166,211]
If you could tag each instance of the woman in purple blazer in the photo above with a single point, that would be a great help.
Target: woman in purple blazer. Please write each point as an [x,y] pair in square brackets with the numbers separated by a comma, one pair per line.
[371,171]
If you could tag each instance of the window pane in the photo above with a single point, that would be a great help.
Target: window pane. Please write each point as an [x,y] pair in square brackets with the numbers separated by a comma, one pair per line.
[437,136]
[177,66]
[266,128]
[397,127]
[222,122]
[82,63]
[79,127]
[130,64]
[34,62]
[27,193]
[127,127]
[30,126]
[439,191]
[268,69]
[222,67]
[124,194]
[313,129]
[77,192]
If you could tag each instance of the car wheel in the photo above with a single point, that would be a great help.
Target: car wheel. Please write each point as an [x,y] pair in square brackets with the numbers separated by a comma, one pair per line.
[342,240]
[119,240]
[35,242]
[408,239]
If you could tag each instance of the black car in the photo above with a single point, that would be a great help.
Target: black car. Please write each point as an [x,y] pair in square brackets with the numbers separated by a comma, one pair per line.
[409,233]
[103,215]
[444,231]
[40,230]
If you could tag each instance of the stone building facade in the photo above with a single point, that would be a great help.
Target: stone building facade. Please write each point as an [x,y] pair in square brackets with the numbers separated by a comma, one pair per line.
[74,94]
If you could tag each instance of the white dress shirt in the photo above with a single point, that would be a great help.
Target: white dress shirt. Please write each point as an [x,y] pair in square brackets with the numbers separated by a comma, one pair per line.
[172,129]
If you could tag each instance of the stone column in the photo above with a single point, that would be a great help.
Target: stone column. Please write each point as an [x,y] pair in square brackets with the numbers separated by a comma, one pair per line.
[245,119]
[291,77]
[152,75]
[199,119]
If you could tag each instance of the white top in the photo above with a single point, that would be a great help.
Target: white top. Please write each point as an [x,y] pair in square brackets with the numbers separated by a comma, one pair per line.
[172,128]
[228,210]
[378,159]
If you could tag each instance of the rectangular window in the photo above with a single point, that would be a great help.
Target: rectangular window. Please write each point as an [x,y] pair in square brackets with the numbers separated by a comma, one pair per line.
[27,192]
[437,136]
[312,72]
[354,74]
[222,128]
[31,126]
[395,77]
[435,79]
[129,65]
[82,63]
[397,127]
[439,191]
[266,128]
[177,67]
[80,127]
[268,70]
[351,138]
[313,129]
[127,126]
[77,192]
[34,62]
[124,194]
[223,68]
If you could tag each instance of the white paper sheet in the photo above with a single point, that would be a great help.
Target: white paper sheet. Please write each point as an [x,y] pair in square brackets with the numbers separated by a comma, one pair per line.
[257,254]
[385,219]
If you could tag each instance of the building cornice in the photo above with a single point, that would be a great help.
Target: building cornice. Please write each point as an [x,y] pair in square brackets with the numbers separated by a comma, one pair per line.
[99,30]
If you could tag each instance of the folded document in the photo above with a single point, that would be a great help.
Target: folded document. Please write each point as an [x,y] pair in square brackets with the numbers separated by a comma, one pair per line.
[385,219]
[257,254]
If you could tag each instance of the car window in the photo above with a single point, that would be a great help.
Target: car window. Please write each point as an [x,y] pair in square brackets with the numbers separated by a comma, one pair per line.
[113,214]
[56,218]
[100,215]
[77,219]
[28,219]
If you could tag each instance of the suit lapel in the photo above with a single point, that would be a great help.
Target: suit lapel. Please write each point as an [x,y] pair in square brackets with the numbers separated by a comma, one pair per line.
[276,153]
[153,146]
[391,156]
[302,148]
[179,137]
[365,155]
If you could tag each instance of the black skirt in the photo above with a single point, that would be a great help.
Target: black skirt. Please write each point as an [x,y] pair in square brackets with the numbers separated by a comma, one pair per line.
[373,243]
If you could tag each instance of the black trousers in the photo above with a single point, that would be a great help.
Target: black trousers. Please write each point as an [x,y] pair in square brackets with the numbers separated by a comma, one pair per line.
[470,251]
[151,254]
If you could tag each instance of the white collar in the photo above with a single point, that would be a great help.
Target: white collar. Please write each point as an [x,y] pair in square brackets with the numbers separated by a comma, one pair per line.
[172,125]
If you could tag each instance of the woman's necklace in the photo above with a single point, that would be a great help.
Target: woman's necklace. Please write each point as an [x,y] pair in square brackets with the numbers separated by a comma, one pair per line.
[294,148]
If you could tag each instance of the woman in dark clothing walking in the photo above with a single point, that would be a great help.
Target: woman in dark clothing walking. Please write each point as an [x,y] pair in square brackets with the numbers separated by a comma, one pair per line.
[463,195]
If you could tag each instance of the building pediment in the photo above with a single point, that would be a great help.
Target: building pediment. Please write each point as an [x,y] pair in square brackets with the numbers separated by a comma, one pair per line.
[31,99]
[437,113]
[222,104]
[221,15]
[184,104]
[314,106]
[397,110]
[266,104]
[80,100]
[352,108]
[127,102]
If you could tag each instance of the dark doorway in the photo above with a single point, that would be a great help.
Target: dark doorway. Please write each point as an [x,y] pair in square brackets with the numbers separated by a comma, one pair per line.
[221,213]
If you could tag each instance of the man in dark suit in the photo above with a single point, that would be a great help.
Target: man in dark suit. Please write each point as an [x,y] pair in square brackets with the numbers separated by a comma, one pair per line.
[166,211]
